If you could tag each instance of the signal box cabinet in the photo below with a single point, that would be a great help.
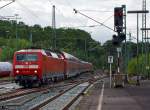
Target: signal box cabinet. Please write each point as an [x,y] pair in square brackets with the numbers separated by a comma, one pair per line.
[118,80]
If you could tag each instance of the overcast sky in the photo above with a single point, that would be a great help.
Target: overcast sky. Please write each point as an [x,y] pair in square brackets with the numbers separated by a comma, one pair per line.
[40,12]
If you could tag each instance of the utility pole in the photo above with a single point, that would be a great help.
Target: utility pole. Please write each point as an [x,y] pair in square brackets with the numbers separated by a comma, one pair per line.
[125,55]
[16,16]
[147,66]
[138,12]
[85,48]
[54,27]
[31,37]
[144,45]
[129,47]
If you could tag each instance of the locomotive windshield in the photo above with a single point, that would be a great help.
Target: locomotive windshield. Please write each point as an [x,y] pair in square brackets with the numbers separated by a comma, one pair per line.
[26,57]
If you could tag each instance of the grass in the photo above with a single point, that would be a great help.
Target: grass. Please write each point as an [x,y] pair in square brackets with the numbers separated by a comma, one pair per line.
[132,82]
[6,79]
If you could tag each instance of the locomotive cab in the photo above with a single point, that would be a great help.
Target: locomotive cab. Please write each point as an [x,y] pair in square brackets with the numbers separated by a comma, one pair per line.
[26,67]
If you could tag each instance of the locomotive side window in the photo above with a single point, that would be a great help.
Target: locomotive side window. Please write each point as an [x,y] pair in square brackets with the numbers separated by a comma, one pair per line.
[26,57]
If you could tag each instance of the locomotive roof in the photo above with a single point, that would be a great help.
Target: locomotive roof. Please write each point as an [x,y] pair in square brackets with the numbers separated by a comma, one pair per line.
[66,55]
[33,50]
[30,50]
[43,51]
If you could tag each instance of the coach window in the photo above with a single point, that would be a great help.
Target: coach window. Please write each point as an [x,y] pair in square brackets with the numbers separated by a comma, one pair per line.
[48,53]
[60,56]
[54,55]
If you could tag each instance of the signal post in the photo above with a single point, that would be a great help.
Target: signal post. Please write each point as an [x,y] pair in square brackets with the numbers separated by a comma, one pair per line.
[110,61]
[120,28]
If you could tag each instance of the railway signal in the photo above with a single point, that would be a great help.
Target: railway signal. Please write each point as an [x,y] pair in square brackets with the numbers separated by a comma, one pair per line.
[118,19]
[118,39]
[119,25]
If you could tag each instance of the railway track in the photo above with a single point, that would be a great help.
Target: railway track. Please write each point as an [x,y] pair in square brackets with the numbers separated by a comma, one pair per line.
[2,83]
[21,92]
[8,88]
[16,93]
[65,99]
[27,100]
[69,95]
[40,98]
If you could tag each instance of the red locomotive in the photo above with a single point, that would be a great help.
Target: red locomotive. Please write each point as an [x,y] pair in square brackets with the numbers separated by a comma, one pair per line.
[38,66]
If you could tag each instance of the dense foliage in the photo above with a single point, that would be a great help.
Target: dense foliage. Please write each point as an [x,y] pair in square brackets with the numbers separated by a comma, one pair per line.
[77,42]
[143,67]
[14,37]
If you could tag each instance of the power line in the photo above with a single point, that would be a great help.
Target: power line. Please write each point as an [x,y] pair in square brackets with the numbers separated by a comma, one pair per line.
[69,4]
[76,11]
[29,12]
[7,4]
[23,6]
[108,19]
[58,10]
[81,26]
[99,11]
[2,17]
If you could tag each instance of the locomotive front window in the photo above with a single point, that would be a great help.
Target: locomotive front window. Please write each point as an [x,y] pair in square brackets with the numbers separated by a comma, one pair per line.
[26,57]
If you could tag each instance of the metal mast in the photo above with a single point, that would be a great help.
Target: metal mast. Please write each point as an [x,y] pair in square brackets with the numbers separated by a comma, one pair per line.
[54,26]
[144,39]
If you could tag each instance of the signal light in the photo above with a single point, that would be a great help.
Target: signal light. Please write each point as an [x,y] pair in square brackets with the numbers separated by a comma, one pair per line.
[115,40]
[122,37]
[118,39]
[118,16]
[118,19]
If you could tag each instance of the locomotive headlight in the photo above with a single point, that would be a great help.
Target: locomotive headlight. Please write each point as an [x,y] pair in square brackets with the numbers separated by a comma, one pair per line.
[35,71]
[17,71]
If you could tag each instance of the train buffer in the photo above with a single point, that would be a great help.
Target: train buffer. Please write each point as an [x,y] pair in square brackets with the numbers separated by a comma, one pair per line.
[118,80]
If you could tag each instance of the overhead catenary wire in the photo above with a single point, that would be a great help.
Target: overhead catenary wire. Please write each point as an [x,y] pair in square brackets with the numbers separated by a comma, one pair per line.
[7,4]
[108,19]
[81,26]
[23,6]
[29,11]
[3,17]
[69,4]
[52,4]
[59,10]
[76,11]
[99,11]
[101,23]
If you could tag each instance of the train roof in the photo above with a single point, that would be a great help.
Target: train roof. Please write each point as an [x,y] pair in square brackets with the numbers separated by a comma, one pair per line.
[70,57]
[53,53]
[48,52]
[32,50]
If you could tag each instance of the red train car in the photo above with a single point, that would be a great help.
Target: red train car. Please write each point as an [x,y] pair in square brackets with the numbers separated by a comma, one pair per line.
[37,66]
